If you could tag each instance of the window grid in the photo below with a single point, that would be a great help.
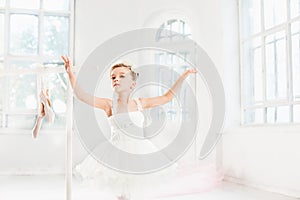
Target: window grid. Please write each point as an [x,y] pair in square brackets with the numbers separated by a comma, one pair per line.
[44,65]
[266,104]
[175,31]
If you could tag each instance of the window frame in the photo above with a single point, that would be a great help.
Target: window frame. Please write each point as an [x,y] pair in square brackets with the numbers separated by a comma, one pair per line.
[39,59]
[180,39]
[262,34]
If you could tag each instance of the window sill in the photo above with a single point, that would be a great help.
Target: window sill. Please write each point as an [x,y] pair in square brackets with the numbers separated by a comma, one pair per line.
[16,131]
[265,129]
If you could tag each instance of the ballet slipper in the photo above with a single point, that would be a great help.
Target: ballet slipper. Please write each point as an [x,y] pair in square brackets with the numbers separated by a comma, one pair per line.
[38,122]
[44,99]
[50,116]
[37,127]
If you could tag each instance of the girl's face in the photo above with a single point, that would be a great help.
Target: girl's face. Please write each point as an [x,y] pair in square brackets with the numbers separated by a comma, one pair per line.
[121,80]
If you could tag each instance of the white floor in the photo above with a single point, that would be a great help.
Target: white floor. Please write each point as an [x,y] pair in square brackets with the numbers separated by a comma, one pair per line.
[53,188]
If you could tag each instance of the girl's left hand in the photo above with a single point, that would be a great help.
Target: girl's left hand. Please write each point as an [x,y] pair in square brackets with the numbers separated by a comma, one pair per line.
[191,71]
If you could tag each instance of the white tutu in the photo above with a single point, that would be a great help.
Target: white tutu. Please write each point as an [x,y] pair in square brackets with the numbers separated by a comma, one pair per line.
[177,179]
[98,176]
[125,127]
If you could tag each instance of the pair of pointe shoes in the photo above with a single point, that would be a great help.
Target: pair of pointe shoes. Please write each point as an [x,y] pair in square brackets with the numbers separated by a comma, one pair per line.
[46,107]
[45,112]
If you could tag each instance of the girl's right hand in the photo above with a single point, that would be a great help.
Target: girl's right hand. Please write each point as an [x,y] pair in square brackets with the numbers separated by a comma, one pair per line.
[68,63]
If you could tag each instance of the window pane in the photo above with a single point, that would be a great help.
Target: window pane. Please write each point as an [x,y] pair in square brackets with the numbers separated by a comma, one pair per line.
[257,75]
[2,79]
[171,25]
[271,114]
[30,4]
[276,73]
[253,71]
[295,30]
[255,116]
[184,29]
[2,3]
[278,114]
[275,12]
[23,34]
[159,58]
[21,121]
[22,92]
[295,8]
[183,57]
[170,58]
[56,5]
[1,34]
[283,114]
[251,17]
[56,36]
[22,65]
[296,113]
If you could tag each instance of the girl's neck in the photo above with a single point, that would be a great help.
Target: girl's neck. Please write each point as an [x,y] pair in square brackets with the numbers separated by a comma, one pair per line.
[122,104]
[123,98]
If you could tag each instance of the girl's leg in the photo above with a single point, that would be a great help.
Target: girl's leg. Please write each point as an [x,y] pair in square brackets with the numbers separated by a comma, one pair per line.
[38,122]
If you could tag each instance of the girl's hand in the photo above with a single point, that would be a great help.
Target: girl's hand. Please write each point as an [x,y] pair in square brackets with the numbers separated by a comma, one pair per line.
[190,71]
[68,63]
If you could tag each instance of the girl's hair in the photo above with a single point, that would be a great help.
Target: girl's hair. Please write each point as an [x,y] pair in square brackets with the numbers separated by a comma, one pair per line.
[133,73]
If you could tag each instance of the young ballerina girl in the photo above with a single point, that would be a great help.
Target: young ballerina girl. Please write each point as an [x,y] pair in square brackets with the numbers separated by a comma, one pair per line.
[123,82]
[45,112]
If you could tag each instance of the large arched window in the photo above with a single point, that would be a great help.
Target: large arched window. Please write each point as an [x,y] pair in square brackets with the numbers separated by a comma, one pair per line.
[177,33]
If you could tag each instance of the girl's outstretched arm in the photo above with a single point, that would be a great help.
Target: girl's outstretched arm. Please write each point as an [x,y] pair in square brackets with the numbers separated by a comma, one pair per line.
[168,96]
[102,103]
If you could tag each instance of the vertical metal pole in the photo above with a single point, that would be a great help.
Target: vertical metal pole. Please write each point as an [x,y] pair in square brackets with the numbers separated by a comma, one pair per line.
[69,143]
[69,172]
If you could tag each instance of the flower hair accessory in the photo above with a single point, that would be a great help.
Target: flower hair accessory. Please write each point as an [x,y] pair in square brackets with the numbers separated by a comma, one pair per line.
[128,64]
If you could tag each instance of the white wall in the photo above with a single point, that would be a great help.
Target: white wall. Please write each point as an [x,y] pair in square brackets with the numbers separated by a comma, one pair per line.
[264,157]
[98,21]
[22,155]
